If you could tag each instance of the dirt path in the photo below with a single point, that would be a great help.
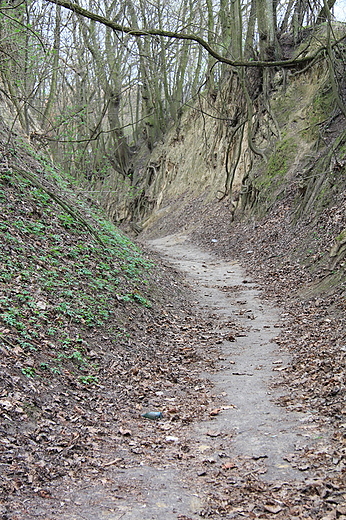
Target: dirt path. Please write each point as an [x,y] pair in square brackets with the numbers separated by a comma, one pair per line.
[250,420]
[246,430]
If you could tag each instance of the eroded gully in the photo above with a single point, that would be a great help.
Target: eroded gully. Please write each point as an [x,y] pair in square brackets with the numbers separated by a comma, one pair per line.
[251,423]
[249,426]
[260,428]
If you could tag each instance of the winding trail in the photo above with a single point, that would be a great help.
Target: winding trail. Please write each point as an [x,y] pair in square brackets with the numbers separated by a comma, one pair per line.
[258,427]
[248,427]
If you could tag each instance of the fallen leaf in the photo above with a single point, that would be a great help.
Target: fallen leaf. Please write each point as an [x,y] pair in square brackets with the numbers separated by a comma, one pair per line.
[259,456]
[289,457]
[43,493]
[171,438]
[213,433]
[203,447]
[214,412]
[272,508]
[125,433]
[329,516]
[110,463]
[229,465]
[303,467]
[209,461]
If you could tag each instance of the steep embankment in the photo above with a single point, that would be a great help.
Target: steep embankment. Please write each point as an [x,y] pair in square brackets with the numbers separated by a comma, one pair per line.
[92,334]
[257,146]
[287,229]
[260,166]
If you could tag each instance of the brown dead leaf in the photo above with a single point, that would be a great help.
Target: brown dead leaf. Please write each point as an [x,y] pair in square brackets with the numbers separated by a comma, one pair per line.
[229,465]
[44,493]
[124,432]
[258,456]
[214,412]
[114,461]
[289,457]
[213,433]
[303,467]
[272,508]
[329,516]
[18,350]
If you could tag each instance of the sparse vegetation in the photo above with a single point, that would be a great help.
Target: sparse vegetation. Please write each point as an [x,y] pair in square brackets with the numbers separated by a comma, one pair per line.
[56,275]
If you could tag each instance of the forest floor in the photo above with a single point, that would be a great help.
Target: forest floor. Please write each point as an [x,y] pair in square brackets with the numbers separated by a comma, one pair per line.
[233,441]
[290,263]
[218,329]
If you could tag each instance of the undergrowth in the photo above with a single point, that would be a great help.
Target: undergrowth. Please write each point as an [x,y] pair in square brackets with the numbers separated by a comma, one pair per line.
[57,282]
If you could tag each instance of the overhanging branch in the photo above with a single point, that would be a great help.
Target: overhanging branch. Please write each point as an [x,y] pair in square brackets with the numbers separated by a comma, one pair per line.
[182,36]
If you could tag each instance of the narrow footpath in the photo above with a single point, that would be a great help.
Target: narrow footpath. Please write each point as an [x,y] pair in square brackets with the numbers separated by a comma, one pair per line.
[249,424]
[242,458]
[259,427]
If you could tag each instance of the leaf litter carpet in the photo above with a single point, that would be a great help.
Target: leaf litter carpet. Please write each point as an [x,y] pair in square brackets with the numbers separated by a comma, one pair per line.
[231,443]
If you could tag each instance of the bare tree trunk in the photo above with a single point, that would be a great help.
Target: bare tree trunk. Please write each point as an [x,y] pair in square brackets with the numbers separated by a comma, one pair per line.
[249,48]
[119,153]
[268,44]
[225,25]
[237,30]
[324,14]
[55,65]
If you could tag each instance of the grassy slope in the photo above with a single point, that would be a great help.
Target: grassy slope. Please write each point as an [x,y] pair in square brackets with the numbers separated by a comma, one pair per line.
[58,282]
[89,337]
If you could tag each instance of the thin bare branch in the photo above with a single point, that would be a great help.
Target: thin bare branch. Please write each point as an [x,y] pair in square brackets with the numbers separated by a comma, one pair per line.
[182,36]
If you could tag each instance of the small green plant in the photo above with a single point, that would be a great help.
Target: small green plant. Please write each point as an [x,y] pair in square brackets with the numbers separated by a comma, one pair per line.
[88,380]
[6,178]
[26,345]
[35,228]
[5,277]
[29,371]
[41,197]
[342,236]
[67,221]
[77,356]
[10,318]
[136,297]
[84,279]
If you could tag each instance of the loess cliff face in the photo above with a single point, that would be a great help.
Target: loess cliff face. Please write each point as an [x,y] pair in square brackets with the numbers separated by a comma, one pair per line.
[259,138]
[259,146]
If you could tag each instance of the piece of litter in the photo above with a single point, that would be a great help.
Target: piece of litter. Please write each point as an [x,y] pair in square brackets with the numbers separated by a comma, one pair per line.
[171,438]
[152,415]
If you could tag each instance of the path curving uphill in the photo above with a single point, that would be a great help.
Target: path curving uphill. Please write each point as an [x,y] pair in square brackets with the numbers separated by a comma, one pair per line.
[255,425]
[239,457]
